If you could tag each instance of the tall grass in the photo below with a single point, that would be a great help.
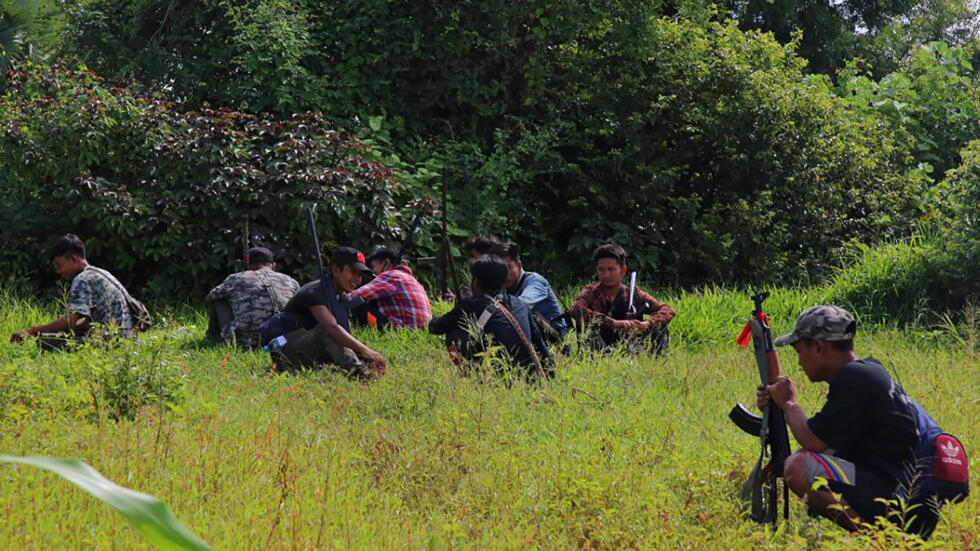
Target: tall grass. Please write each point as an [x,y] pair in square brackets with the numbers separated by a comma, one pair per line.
[615,453]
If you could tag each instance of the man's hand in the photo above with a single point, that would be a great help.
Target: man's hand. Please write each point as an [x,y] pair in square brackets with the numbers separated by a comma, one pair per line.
[651,324]
[762,397]
[630,327]
[376,362]
[21,335]
[782,392]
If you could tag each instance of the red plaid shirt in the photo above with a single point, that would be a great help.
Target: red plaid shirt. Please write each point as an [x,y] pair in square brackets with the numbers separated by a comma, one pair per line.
[400,297]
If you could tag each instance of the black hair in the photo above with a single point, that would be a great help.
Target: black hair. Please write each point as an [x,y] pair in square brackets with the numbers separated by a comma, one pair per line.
[67,245]
[385,252]
[480,244]
[508,249]
[610,250]
[490,271]
[840,346]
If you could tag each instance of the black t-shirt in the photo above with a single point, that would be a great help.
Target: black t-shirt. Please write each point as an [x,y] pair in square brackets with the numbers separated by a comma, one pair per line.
[310,295]
[867,419]
[455,325]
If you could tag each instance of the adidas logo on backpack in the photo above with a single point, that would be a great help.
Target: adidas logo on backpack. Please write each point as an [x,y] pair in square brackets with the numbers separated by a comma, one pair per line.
[951,453]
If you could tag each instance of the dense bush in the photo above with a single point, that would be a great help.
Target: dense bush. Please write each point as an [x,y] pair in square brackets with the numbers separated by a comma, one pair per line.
[714,158]
[160,195]
[706,150]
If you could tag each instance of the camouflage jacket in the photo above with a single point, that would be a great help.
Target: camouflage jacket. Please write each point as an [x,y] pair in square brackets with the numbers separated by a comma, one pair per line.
[97,295]
[254,296]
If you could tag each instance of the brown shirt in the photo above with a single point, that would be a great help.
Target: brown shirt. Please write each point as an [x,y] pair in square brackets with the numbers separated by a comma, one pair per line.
[592,304]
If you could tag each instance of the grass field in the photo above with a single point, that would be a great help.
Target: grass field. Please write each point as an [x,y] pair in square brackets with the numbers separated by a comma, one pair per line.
[615,453]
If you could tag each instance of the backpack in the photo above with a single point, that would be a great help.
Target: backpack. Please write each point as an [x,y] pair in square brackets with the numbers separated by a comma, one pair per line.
[941,469]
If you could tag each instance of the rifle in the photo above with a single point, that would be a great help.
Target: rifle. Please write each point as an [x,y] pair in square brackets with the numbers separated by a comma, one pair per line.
[245,241]
[446,257]
[326,278]
[760,493]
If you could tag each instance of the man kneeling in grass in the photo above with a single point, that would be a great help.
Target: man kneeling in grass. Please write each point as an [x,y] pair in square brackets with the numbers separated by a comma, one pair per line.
[503,319]
[98,305]
[316,326]
[861,443]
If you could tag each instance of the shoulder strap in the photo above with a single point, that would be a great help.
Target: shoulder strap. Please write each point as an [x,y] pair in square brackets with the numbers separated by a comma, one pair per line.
[141,316]
[520,333]
[270,292]
[108,277]
[618,302]
[481,322]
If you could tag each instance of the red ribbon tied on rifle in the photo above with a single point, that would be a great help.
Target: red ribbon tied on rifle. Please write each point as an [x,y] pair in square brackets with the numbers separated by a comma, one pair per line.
[745,337]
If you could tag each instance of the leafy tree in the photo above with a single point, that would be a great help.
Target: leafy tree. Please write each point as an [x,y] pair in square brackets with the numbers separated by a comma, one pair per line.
[834,32]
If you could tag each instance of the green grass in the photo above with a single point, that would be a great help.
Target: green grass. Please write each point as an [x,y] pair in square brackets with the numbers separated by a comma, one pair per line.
[616,453]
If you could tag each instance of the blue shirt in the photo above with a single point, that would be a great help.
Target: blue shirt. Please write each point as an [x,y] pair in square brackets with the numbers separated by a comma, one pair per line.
[534,289]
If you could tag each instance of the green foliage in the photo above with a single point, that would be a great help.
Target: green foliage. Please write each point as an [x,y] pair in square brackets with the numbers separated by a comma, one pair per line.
[146,513]
[99,381]
[829,34]
[160,195]
[933,100]
[715,159]
[17,19]
[704,149]
[958,198]
[902,282]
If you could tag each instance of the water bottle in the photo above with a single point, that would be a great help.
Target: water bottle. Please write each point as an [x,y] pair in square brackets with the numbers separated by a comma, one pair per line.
[275,344]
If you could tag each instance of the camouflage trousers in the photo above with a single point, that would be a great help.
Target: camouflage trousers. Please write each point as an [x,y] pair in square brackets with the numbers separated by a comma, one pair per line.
[219,316]
[315,348]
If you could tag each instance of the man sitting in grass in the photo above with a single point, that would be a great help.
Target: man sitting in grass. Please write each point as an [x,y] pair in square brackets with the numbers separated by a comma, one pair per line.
[491,316]
[244,300]
[400,299]
[316,326]
[534,289]
[98,305]
[603,306]
[862,441]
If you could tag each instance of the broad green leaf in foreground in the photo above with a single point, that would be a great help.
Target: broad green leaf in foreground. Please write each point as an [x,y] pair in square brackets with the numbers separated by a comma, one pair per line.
[146,513]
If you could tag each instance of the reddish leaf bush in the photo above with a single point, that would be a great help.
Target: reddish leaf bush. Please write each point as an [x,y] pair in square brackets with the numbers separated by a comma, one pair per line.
[161,196]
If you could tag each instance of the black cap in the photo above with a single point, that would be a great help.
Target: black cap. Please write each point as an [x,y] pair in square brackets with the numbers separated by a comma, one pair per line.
[347,256]
[260,255]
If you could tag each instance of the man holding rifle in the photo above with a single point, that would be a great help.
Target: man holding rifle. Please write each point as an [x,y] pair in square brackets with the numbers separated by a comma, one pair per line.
[862,439]
[315,325]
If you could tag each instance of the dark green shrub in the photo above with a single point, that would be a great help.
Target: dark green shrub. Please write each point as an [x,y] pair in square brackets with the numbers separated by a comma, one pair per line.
[160,195]
[714,158]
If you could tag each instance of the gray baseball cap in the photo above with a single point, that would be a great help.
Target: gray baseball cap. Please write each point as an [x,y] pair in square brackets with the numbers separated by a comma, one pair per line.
[825,322]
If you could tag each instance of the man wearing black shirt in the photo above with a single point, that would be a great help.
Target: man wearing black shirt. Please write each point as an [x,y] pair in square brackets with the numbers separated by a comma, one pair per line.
[862,439]
[317,327]
[486,314]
